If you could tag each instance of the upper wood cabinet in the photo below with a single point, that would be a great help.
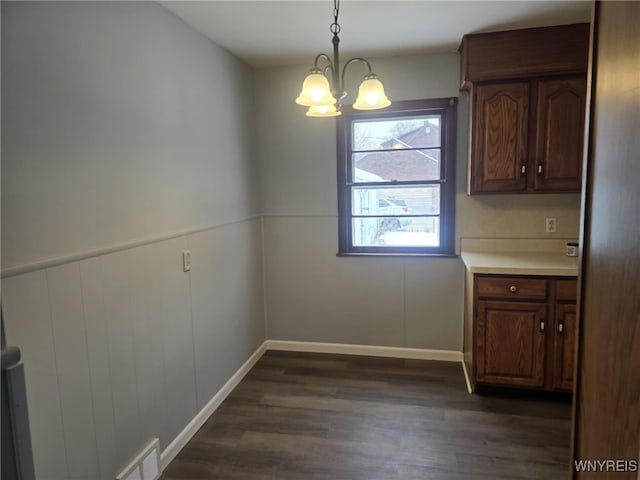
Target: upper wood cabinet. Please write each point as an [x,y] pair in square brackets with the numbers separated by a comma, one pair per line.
[527,136]
[526,116]
[559,134]
[501,137]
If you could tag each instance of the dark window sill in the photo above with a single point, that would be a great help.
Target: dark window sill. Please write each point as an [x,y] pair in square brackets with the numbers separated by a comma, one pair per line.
[399,254]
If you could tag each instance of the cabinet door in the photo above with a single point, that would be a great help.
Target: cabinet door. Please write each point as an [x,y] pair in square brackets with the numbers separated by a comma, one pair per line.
[510,343]
[500,119]
[560,134]
[564,347]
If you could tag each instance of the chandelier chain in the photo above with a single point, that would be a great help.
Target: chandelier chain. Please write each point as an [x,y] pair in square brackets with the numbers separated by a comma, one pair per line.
[335,26]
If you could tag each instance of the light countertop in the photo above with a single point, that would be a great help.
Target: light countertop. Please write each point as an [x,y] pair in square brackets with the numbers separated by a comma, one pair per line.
[518,257]
[521,263]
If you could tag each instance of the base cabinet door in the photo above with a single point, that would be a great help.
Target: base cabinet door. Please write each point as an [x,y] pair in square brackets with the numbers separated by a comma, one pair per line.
[564,347]
[510,343]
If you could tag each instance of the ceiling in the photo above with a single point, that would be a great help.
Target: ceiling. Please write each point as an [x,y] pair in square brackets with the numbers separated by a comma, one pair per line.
[276,33]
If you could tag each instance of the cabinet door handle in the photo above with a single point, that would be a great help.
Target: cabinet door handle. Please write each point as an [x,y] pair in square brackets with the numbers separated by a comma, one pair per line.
[560,328]
[542,325]
[513,289]
[539,169]
[523,169]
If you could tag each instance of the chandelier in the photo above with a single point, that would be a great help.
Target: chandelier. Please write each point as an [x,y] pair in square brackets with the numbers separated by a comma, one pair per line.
[324,98]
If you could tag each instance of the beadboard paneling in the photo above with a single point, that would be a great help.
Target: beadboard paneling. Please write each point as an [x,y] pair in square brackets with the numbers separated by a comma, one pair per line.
[97,332]
[72,365]
[125,347]
[222,337]
[120,293]
[171,315]
[25,304]
[314,296]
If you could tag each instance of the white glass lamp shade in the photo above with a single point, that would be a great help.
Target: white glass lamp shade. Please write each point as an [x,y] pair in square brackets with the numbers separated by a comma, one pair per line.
[371,94]
[323,111]
[316,90]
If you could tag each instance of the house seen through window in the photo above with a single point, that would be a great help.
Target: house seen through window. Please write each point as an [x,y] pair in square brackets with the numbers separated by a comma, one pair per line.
[396,176]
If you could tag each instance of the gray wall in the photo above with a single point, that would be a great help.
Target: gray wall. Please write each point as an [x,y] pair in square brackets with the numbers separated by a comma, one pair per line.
[312,295]
[123,125]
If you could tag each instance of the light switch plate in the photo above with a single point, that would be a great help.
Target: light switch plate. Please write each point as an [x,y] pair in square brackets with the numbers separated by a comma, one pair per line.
[186,260]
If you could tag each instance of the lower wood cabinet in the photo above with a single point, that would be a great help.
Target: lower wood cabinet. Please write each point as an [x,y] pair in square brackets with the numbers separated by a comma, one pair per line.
[564,341]
[510,343]
[520,331]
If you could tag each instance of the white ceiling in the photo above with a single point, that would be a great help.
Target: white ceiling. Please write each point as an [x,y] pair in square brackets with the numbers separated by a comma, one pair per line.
[276,33]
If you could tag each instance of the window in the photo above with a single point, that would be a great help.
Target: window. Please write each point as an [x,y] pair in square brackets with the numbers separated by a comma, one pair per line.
[396,178]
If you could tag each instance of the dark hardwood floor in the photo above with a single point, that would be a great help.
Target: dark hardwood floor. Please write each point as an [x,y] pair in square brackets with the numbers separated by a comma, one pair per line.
[336,417]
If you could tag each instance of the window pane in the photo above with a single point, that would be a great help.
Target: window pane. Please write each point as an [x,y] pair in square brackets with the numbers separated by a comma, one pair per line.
[407,132]
[396,178]
[397,165]
[396,201]
[393,232]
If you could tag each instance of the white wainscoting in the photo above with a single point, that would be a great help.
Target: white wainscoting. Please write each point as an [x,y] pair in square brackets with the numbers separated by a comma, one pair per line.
[123,347]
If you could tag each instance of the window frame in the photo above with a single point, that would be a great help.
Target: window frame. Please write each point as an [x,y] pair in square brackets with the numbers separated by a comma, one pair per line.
[447,109]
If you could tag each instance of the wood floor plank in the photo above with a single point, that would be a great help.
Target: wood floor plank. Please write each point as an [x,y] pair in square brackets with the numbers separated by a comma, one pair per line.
[315,416]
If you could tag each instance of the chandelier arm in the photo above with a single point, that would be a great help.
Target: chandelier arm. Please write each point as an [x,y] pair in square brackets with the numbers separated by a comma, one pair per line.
[320,56]
[328,69]
[352,61]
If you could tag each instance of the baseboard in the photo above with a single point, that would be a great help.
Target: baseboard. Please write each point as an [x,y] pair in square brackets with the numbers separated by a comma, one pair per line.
[466,377]
[145,466]
[367,350]
[194,425]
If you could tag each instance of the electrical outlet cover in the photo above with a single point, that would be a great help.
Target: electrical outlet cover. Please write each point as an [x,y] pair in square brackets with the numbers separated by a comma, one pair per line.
[551,225]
